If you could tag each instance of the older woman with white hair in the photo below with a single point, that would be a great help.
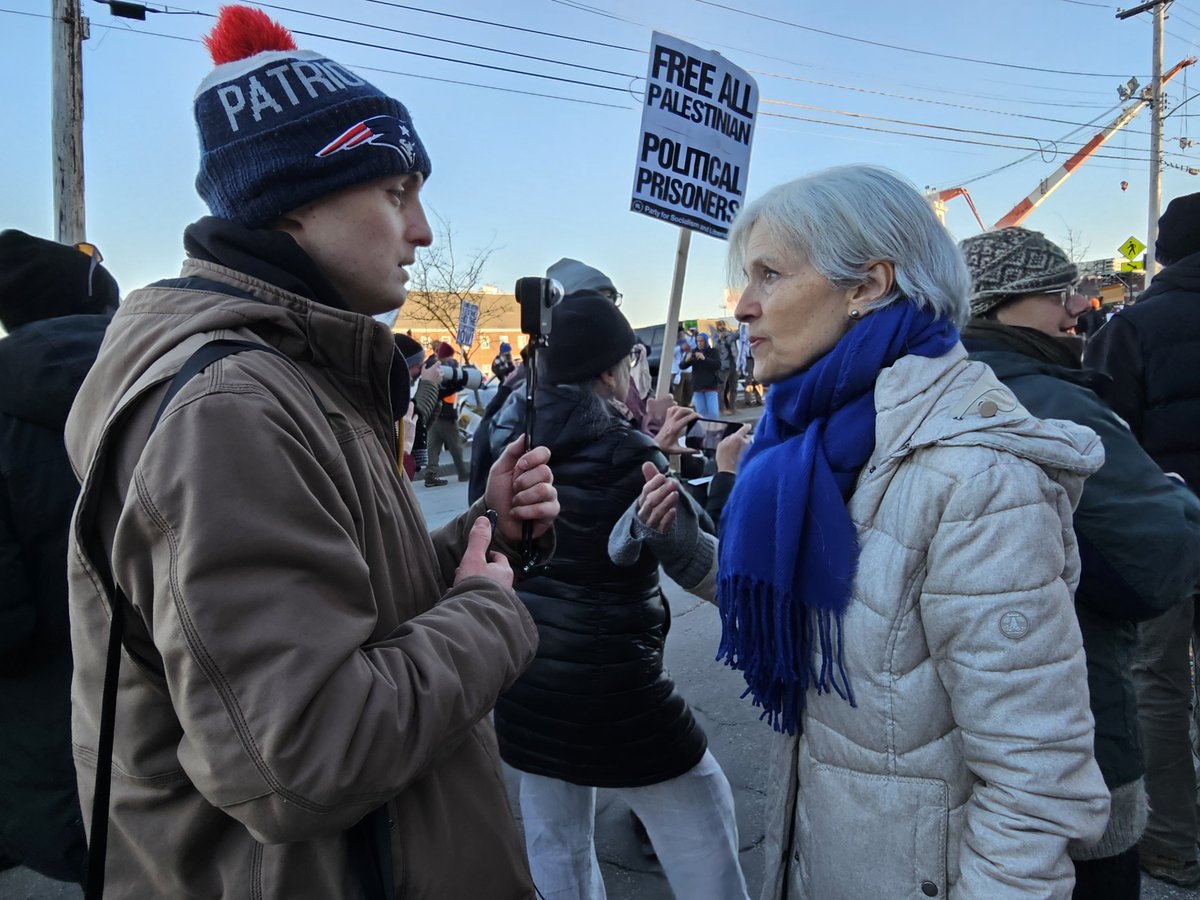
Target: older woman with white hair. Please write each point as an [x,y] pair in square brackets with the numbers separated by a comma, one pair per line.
[896,567]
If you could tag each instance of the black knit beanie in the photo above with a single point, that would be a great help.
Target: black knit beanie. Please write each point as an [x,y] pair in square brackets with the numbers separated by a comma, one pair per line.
[588,336]
[41,279]
[1178,230]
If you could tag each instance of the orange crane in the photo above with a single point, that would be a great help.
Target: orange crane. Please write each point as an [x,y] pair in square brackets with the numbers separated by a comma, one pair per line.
[937,199]
[1049,185]
[1015,216]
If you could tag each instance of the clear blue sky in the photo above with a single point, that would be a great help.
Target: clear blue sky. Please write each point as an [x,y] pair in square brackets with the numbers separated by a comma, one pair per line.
[542,177]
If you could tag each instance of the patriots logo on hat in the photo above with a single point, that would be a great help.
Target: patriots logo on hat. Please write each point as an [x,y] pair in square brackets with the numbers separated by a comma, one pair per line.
[384,131]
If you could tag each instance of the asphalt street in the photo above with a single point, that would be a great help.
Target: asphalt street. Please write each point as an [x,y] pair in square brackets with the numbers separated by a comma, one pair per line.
[736,737]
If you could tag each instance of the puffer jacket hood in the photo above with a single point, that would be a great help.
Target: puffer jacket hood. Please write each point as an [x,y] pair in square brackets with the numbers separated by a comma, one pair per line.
[1183,275]
[984,413]
[43,364]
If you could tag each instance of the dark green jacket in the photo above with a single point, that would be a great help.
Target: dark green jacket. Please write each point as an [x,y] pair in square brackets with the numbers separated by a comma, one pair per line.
[1138,532]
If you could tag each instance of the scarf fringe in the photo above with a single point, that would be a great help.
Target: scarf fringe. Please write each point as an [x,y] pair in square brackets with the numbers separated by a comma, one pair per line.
[759,630]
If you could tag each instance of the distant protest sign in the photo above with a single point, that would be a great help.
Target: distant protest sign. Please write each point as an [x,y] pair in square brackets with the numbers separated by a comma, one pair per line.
[694,148]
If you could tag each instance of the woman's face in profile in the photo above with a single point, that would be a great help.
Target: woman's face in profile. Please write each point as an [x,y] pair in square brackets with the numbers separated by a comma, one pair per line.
[793,315]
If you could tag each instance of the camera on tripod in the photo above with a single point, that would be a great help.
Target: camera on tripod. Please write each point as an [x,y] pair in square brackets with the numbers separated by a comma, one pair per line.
[537,298]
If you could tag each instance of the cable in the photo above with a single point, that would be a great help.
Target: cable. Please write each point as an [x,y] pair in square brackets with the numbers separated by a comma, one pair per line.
[565,37]
[429,37]
[846,37]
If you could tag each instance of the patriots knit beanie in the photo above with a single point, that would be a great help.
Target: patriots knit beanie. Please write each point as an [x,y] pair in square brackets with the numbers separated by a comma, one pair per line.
[588,336]
[1178,230]
[281,127]
[1011,263]
[41,279]
[576,276]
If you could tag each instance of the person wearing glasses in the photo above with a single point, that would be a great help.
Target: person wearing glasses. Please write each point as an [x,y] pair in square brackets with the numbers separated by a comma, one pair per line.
[56,301]
[1138,530]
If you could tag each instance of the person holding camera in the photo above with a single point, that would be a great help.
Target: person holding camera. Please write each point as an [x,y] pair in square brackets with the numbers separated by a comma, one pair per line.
[305,671]
[503,365]
[443,427]
[705,365]
[596,708]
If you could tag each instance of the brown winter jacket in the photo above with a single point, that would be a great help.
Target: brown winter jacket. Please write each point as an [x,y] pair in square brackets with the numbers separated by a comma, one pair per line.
[296,656]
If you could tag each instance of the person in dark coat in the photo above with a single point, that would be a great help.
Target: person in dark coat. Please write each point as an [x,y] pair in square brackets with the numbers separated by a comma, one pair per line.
[1138,530]
[1149,352]
[596,709]
[55,301]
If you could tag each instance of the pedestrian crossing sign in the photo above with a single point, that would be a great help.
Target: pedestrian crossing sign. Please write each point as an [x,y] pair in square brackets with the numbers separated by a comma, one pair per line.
[1131,249]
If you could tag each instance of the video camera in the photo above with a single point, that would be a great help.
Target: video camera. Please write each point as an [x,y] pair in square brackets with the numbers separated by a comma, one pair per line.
[461,378]
[537,298]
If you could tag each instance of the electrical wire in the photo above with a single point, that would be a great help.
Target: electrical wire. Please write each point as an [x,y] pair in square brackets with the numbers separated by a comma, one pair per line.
[1003,136]
[857,40]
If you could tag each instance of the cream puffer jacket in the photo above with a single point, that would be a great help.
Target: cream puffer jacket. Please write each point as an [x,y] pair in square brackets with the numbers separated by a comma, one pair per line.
[967,764]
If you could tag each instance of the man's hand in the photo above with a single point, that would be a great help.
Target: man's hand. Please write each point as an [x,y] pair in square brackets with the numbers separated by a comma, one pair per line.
[432,374]
[730,450]
[676,422]
[659,500]
[520,489]
[410,427]
[477,562]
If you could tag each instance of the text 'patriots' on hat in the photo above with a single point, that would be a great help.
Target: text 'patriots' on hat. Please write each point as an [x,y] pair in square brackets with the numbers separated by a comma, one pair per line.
[281,127]
[1011,263]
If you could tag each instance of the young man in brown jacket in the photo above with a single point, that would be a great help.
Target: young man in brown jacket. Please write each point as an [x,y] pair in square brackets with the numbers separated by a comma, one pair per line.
[306,673]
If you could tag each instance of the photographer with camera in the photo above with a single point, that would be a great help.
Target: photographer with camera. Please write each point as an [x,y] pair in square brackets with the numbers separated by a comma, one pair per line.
[596,709]
[443,427]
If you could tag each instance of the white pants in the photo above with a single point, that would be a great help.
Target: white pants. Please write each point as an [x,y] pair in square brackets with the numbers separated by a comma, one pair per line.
[690,821]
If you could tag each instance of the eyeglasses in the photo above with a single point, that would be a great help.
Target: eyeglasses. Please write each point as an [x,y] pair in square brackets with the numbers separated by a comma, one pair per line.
[97,257]
[613,295]
[1064,296]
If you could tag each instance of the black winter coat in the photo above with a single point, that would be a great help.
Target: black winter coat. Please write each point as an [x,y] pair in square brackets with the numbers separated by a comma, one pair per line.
[595,707]
[1150,351]
[1138,533]
[705,366]
[42,365]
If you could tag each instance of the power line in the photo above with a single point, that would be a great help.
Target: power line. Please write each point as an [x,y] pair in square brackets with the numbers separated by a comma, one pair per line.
[846,37]
[565,37]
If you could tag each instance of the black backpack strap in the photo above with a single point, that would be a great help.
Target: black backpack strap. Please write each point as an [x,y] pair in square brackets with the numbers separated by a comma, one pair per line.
[369,843]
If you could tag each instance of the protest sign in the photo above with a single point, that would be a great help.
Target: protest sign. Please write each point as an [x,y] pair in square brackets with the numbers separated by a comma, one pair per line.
[694,147]
[468,318]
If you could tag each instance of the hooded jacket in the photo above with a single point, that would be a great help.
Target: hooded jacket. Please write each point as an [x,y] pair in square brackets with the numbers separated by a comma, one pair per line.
[1139,547]
[596,707]
[1149,352]
[296,654]
[966,766]
[42,365]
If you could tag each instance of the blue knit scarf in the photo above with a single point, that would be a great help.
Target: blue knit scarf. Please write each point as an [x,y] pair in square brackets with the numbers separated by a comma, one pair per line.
[788,547]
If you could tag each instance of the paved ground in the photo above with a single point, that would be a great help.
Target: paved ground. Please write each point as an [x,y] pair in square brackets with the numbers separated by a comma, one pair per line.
[735,734]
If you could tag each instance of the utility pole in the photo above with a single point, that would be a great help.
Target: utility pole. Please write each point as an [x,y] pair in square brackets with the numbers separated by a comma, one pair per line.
[1156,118]
[67,36]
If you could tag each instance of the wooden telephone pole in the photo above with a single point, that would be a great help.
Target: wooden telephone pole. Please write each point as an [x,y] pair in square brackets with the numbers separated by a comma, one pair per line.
[68,34]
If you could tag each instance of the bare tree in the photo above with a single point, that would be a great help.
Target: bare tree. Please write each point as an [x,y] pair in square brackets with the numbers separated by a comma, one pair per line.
[442,278]
[1073,244]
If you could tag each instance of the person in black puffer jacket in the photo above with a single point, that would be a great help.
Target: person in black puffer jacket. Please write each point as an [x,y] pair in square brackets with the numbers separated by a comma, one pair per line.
[596,709]
[56,301]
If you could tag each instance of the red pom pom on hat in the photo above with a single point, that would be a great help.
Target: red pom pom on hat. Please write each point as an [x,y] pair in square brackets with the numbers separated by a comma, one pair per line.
[242,32]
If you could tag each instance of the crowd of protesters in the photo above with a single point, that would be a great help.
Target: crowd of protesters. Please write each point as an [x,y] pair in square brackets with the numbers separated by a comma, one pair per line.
[955,563]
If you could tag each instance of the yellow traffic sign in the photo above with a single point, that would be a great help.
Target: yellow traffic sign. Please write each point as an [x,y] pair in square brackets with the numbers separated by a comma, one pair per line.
[1131,249]
[1133,265]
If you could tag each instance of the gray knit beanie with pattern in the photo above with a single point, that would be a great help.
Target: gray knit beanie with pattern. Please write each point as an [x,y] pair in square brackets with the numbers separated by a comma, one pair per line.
[1011,263]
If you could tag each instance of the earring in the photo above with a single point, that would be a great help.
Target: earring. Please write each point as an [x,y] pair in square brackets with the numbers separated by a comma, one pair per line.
[855,313]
